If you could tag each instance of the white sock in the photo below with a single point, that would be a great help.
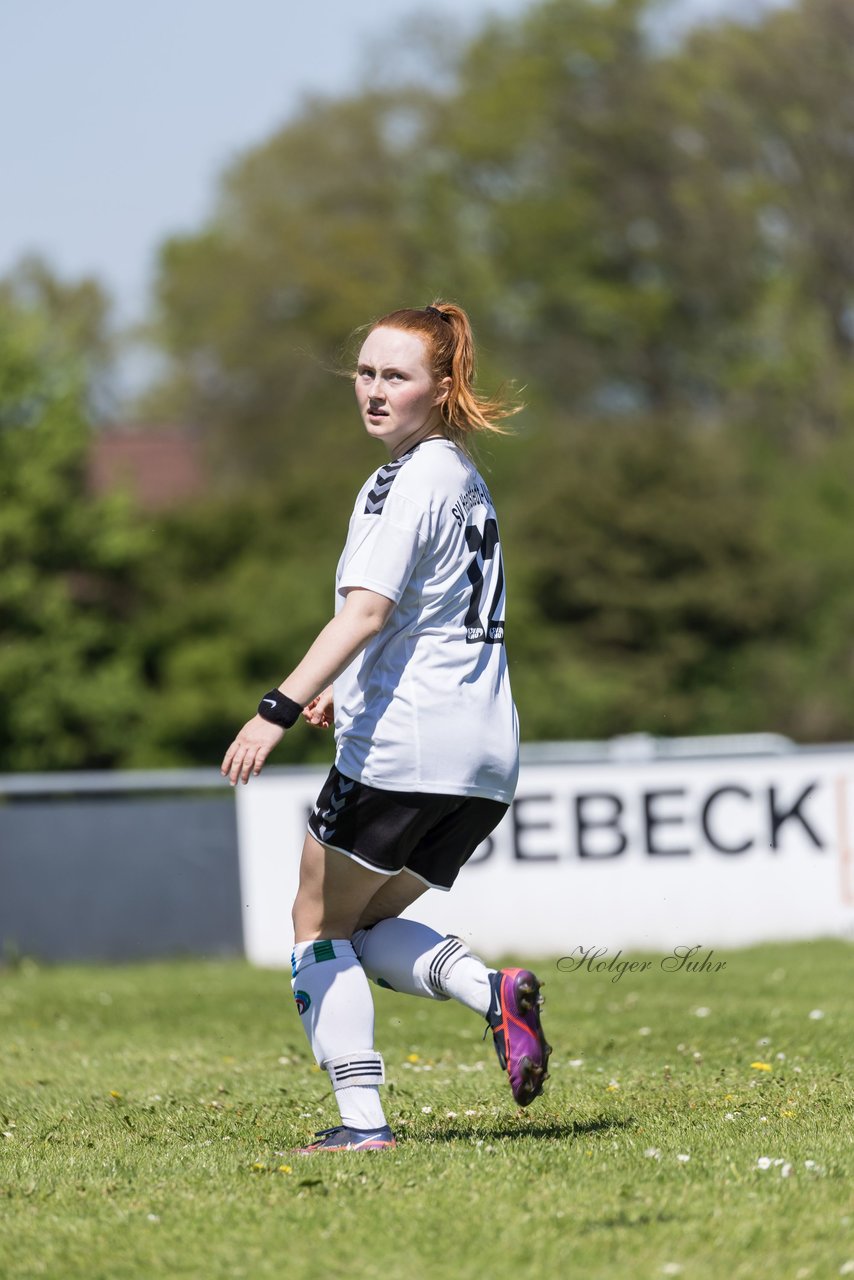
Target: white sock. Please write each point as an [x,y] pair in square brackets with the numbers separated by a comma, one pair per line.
[337,1013]
[411,958]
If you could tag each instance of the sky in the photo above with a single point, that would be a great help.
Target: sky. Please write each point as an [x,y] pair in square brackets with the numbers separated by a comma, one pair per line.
[116,120]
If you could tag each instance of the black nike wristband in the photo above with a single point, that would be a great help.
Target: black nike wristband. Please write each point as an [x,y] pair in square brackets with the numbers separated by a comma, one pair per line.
[278,708]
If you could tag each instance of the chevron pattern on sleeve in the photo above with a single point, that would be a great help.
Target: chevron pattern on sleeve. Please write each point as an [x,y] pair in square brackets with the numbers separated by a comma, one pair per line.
[382,484]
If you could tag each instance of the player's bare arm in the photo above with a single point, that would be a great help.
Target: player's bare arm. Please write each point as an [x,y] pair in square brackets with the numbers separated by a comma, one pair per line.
[342,639]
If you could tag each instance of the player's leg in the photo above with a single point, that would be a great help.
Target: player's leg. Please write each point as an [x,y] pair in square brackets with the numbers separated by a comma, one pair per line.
[414,959]
[407,955]
[359,839]
[411,958]
[333,996]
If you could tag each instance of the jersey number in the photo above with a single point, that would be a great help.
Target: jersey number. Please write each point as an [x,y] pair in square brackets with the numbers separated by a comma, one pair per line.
[485,567]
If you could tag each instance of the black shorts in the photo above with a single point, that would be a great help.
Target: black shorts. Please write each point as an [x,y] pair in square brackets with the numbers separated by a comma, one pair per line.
[431,836]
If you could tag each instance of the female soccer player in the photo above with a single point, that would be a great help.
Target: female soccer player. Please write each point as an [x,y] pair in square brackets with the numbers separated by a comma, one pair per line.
[413,668]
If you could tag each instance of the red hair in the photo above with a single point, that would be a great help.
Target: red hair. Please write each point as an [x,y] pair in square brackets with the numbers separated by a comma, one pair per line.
[446,332]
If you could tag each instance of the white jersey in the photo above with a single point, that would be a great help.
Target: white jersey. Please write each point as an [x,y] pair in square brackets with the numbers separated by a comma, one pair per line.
[427,705]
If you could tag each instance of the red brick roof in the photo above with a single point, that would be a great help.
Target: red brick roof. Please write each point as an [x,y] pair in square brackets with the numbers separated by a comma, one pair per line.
[158,466]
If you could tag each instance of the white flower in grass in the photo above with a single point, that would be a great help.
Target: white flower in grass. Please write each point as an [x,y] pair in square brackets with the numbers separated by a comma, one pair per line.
[702,1012]
[847,1268]
[786,1171]
[451,1115]
[426,1111]
[671,1269]
[575,1062]
[683,1158]
[816,1014]
[652,1153]
[729,1116]
[644,1031]
[471,1113]
[764,1162]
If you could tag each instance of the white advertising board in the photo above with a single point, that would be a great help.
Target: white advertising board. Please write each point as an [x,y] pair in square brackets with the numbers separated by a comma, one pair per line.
[644,856]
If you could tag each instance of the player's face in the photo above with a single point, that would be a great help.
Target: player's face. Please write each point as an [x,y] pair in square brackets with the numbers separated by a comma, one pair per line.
[397,395]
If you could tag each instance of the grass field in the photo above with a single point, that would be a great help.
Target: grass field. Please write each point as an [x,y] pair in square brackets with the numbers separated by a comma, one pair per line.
[695,1124]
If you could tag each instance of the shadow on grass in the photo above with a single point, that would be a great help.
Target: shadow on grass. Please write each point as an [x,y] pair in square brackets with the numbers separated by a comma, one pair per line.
[546,1128]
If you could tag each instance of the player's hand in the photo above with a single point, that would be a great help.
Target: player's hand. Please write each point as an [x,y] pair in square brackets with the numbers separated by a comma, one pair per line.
[248,753]
[320,712]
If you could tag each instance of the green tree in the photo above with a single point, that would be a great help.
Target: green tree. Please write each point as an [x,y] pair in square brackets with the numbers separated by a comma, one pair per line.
[235,593]
[650,580]
[69,690]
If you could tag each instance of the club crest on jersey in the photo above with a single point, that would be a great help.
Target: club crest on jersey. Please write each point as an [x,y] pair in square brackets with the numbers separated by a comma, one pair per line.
[303,1000]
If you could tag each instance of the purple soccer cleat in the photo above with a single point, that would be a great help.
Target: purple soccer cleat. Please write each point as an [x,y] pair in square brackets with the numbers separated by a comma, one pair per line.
[514,1017]
[342,1138]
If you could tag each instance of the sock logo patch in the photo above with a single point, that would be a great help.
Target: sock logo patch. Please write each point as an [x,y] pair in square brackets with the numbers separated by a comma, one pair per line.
[303,1000]
[323,950]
